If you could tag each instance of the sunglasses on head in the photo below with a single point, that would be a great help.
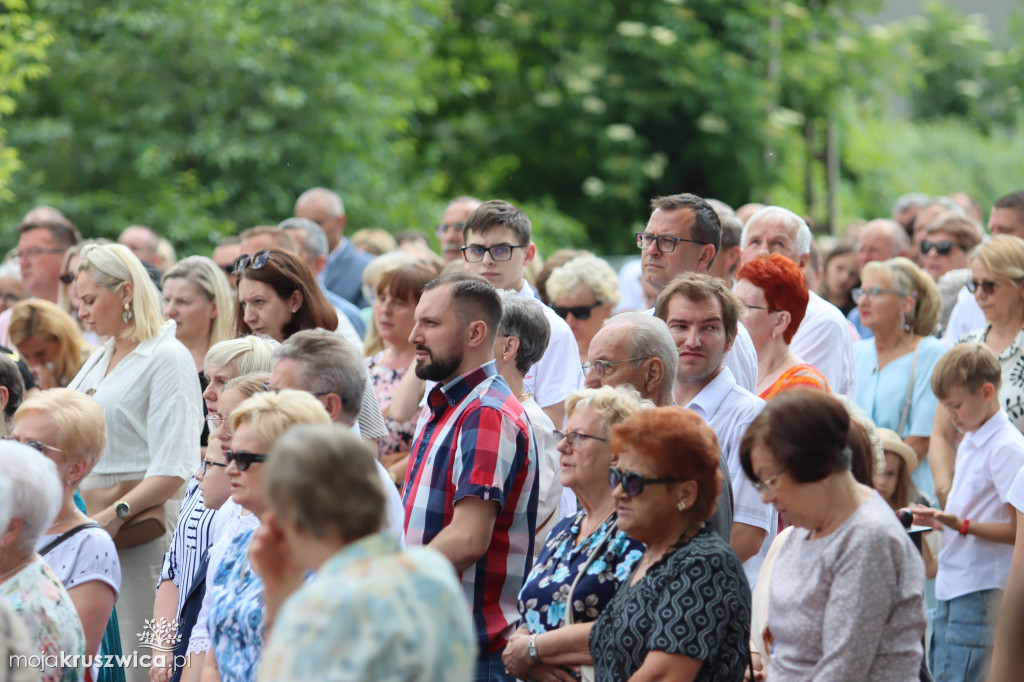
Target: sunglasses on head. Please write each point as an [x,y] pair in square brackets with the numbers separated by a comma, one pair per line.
[67,277]
[242,459]
[255,261]
[943,248]
[580,312]
[633,483]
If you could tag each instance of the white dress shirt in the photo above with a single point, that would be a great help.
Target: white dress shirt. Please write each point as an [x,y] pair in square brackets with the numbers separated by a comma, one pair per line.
[728,409]
[824,341]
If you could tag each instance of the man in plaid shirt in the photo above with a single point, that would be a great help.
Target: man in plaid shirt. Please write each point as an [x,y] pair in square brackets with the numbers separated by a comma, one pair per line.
[471,486]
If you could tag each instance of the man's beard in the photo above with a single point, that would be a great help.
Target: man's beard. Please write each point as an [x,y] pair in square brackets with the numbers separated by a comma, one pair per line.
[439,369]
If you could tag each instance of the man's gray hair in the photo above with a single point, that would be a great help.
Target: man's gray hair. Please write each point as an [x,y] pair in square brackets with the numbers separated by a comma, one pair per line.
[651,337]
[791,220]
[329,198]
[909,201]
[330,364]
[315,241]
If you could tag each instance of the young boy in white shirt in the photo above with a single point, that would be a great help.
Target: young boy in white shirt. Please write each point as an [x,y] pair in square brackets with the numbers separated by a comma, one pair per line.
[979,523]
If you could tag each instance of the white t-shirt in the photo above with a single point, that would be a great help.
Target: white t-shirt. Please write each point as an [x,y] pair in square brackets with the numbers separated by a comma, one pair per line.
[824,341]
[558,373]
[987,462]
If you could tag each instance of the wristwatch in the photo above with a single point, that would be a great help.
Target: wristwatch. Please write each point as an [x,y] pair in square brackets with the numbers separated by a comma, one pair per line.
[123,511]
[531,649]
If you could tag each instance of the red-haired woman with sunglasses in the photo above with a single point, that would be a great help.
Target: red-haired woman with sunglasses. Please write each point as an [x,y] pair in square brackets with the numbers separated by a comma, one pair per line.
[278,296]
[684,613]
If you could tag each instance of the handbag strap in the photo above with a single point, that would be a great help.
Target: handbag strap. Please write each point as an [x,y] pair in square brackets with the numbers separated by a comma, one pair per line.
[583,569]
[910,394]
[66,535]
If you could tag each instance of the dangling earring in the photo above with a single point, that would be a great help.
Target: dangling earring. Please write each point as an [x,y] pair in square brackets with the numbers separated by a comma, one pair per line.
[681,506]
[903,321]
[127,315]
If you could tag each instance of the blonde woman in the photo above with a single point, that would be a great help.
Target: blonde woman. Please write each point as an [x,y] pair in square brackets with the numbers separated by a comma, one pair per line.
[583,292]
[49,341]
[198,298]
[146,383]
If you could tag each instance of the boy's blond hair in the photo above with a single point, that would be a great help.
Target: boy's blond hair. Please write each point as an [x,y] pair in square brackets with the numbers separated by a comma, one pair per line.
[966,365]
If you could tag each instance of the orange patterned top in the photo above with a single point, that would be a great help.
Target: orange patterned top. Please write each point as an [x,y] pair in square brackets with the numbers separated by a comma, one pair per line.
[803,375]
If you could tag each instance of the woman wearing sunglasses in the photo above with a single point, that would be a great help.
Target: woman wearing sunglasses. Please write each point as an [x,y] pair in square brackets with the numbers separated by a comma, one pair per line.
[997,282]
[683,612]
[846,595]
[583,292]
[278,296]
[586,557]
[146,383]
[68,427]
[235,616]
[900,304]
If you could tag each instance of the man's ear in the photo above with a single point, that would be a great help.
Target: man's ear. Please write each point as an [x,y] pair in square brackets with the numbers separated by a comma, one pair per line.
[804,257]
[655,375]
[531,252]
[476,334]
[707,254]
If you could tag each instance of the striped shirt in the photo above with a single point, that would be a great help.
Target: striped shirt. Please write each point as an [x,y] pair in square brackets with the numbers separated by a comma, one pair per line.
[474,439]
[191,538]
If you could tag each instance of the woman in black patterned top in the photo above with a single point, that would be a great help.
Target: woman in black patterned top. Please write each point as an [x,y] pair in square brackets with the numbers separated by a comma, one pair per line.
[685,614]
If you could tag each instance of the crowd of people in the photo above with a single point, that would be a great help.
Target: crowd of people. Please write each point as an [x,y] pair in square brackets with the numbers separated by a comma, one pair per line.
[748,454]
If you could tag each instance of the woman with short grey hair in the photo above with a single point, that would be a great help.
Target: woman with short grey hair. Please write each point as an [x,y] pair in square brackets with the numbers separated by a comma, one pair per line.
[583,292]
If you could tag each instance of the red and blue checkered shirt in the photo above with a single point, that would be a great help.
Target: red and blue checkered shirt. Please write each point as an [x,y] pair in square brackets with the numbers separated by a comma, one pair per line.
[474,439]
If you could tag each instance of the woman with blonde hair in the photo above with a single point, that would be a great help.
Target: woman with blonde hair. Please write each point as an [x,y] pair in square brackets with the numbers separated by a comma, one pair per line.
[49,340]
[583,292]
[68,427]
[145,381]
[199,299]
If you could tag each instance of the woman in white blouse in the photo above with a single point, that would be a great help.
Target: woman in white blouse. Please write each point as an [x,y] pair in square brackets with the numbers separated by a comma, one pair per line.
[146,383]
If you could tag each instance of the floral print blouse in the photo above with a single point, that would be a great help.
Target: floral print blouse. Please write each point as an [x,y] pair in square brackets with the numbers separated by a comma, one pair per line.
[542,601]
[235,619]
[385,379]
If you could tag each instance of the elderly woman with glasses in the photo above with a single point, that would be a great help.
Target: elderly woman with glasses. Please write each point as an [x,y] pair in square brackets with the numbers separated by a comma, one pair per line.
[997,282]
[30,498]
[68,427]
[900,303]
[586,557]
[235,617]
[683,611]
[847,589]
[583,292]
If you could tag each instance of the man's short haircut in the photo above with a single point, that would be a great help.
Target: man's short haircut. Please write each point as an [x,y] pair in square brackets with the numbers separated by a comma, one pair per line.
[10,377]
[501,214]
[63,233]
[793,222]
[699,288]
[329,198]
[707,229]
[732,232]
[230,240]
[524,319]
[966,231]
[473,298]
[313,239]
[651,338]
[1013,201]
[894,231]
[909,201]
[967,366]
[330,364]
[279,239]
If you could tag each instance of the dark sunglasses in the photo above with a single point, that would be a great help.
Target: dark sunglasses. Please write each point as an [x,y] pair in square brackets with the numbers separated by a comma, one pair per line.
[242,459]
[943,248]
[67,277]
[207,464]
[255,261]
[580,312]
[229,270]
[633,483]
[988,286]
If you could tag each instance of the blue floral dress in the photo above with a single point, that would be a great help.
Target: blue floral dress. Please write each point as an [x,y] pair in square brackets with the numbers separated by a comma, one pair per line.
[542,601]
[235,620]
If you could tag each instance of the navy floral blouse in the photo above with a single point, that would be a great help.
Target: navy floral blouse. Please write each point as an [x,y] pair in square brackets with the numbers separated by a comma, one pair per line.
[542,601]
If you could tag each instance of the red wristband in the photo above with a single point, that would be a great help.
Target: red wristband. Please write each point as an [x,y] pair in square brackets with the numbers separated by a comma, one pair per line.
[963,527]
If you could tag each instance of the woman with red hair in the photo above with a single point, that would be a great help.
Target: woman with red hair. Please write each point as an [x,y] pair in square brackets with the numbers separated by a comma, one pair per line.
[774,292]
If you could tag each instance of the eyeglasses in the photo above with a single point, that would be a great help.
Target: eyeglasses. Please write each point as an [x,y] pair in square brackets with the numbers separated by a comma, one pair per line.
[666,244]
[242,459]
[575,438]
[633,483]
[600,367]
[943,248]
[35,252]
[750,306]
[209,463]
[448,227]
[499,252]
[67,277]
[580,312]
[874,292]
[768,483]
[255,261]
[34,444]
[214,421]
[988,286]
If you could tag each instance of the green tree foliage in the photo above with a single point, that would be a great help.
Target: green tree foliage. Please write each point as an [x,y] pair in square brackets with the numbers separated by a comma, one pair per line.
[23,44]
[200,118]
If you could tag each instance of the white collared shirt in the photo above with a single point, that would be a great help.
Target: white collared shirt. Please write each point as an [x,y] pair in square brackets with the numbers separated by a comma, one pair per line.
[728,409]
[824,341]
[558,372]
[987,462]
[152,404]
